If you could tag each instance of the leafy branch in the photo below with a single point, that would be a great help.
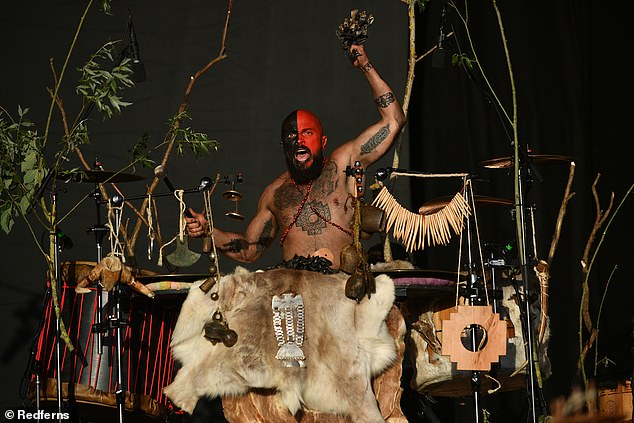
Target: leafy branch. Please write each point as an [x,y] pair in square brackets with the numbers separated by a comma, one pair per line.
[22,166]
[102,87]
[176,138]
[197,142]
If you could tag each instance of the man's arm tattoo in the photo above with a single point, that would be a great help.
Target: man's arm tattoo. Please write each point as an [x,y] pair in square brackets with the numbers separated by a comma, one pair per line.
[265,237]
[235,246]
[375,140]
[384,100]
[366,68]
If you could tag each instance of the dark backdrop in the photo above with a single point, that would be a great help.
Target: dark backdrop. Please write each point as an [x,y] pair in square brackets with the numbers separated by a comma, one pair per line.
[570,64]
[573,99]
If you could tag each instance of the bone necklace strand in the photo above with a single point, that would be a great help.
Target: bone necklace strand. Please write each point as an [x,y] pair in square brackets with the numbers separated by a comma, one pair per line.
[416,231]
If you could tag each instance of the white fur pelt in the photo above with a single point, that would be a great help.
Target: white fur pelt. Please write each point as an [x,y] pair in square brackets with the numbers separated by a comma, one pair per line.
[345,345]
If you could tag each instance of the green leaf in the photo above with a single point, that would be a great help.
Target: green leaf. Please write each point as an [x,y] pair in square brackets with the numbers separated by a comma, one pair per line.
[31,176]
[98,84]
[6,219]
[24,203]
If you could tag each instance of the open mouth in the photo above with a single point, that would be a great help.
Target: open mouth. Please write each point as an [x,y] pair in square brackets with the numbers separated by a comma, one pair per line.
[302,155]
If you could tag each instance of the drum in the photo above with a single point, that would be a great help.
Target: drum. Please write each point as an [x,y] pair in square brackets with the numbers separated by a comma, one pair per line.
[89,373]
[428,301]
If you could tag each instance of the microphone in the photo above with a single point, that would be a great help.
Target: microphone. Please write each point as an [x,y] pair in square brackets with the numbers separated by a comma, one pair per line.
[383,172]
[205,184]
[438,58]
[161,173]
[63,241]
[138,69]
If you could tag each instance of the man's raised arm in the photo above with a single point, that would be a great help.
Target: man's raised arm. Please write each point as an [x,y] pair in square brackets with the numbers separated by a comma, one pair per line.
[376,140]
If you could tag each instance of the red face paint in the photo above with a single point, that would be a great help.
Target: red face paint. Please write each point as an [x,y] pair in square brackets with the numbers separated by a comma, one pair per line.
[303,143]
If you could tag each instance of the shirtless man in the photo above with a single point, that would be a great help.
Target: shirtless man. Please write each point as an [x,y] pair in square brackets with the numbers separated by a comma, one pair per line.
[311,205]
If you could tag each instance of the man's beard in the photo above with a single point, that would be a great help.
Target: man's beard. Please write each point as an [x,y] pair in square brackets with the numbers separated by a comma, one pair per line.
[303,176]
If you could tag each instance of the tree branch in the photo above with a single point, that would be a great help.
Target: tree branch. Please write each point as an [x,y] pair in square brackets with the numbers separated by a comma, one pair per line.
[183,106]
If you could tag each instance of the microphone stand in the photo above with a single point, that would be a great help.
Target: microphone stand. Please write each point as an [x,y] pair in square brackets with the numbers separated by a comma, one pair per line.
[519,165]
[474,295]
[56,274]
[115,320]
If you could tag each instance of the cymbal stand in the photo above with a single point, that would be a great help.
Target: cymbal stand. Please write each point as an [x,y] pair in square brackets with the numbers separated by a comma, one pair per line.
[100,231]
[520,169]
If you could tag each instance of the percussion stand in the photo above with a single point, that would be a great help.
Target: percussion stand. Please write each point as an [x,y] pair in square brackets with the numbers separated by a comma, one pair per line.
[114,320]
[118,323]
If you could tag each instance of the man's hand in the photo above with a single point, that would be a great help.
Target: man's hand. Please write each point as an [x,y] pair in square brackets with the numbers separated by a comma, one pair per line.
[196,225]
[358,57]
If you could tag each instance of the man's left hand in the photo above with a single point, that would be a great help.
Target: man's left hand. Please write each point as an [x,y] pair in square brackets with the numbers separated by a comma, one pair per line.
[357,56]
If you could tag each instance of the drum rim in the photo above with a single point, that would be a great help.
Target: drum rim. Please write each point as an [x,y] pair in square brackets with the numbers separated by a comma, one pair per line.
[177,277]
[420,273]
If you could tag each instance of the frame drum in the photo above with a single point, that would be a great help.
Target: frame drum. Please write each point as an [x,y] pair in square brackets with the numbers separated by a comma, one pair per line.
[89,374]
[426,298]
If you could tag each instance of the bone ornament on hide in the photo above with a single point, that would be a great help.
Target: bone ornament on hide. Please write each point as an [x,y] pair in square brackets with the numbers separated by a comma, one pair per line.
[345,344]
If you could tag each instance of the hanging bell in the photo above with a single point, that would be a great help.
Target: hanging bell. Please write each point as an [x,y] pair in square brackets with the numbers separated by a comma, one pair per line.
[215,331]
[355,287]
[218,331]
[235,213]
[230,338]
[234,196]
[349,259]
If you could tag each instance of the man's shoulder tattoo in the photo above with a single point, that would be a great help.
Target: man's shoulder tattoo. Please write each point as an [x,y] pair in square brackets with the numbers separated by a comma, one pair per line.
[375,140]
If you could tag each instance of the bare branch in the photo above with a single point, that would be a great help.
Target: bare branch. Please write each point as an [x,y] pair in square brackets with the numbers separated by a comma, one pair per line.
[562,213]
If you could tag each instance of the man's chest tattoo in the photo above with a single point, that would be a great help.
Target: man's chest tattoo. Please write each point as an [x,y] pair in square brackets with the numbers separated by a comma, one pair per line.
[288,196]
[313,218]
[327,182]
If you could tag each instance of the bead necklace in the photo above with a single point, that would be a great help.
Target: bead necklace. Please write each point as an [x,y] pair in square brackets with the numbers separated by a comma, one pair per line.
[299,210]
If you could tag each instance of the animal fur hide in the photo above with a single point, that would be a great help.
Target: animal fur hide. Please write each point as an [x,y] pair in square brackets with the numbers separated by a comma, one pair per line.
[345,345]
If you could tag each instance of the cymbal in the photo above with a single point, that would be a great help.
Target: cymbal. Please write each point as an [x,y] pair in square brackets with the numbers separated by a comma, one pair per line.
[507,162]
[99,176]
[432,206]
